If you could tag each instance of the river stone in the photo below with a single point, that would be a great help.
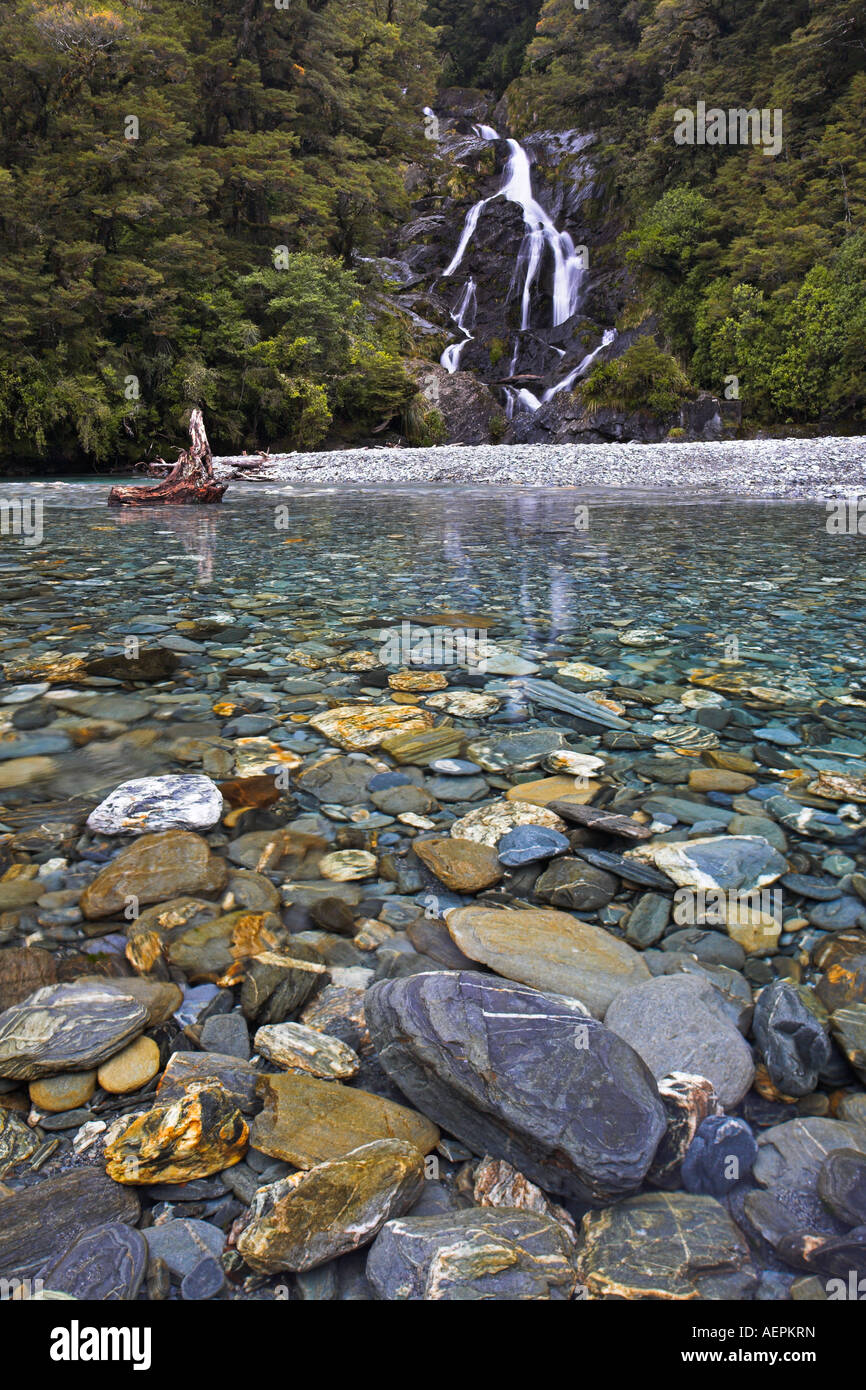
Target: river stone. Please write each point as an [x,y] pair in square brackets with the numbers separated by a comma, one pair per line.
[18,1141]
[302,1221]
[56,1094]
[19,892]
[306,1121]
[160,998]
[130,1069]
[466,866]
[24,969]
[548,950]
[189,1138]
[464,704]
[677,1023]
[70,1027]
[516,752]
[738,862]
[205,952]
[476,1255]
[227,1034]
[488,824]
[553,792]
[665,1245]
[183,1243]
[357,727]
[235,1078]
[843,983]
[150,804]
[523,1076]
[648,920]
[206,1281]
[298,1048]
[424,746]
[572,883]
[527,844]
[346,865]
[152,870]
[842,1186]
[721,1155]
[41,1223]
[597,819]
[849,1030]
[791,1038]
[106,1264]
[687,1100]
[792,1154]
[625,867]
[336,779]
[277,984]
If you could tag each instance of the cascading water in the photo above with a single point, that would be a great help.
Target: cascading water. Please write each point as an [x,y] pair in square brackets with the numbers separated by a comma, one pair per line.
[463,316]
[581,369]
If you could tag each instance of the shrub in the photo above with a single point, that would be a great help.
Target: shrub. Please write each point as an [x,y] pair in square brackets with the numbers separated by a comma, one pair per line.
[644,378]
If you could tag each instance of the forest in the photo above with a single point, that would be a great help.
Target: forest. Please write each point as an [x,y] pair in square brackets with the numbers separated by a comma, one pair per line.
[190,190]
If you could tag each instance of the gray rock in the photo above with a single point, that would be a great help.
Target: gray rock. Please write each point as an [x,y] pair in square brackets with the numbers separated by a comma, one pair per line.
[70,1027]
[228,1034]
[151,804]
[727,862]
[648,920]
[572,883]
[516,752]
[41,1223]
[676,1023]
[792,1040]
[527,844]
[182,1244]
[842,1186]
[523,1076]
[551,696]
[792,1154]
[206,1281]
[709,946]
[105,1264]
[476,1255]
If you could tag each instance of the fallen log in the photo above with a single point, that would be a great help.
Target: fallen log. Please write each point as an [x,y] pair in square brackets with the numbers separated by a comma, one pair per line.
[190,483]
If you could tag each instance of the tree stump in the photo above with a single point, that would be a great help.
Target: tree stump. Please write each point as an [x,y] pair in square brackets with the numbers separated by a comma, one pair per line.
[190,482]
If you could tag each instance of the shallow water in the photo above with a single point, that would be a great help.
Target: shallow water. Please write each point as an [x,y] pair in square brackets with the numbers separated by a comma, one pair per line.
[759,583]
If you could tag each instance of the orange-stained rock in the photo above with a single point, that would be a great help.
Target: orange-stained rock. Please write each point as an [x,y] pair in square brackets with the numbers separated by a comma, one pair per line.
[466,866]
[191,1138]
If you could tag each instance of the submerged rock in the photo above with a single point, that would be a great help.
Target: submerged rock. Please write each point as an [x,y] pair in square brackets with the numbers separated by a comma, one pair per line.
[523,1076]
[151,804]
[152,870]
[311,1217]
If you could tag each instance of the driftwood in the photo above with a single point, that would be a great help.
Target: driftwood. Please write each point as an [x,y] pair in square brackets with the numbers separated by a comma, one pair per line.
[190,482]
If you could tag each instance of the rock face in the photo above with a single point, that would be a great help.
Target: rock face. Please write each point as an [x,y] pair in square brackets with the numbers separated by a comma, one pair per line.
[308,1218]
[666,1246]
[190,1138]
[151,804]
[550,951]
[64,1028]
[523,1076]
[306,1121]
[466,405]
[676,1023]
[41,1223]
[481,1254]
[152,870]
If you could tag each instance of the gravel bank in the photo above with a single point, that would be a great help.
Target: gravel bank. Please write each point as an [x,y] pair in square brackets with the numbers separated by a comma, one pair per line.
[789,468]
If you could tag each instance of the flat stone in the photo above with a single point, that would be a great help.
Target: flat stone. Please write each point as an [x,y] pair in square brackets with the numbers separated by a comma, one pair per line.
[665,1245]
[551,696]
[677,1023]
[68,1027]
[727,862]
[554,792]
[337,780]
[206,1281]
[549,950]
[234,1077]
[488,824]
[401,801]
[298,1048]
[417,680]
[465,704]
[523,1076]
[105,1264]
[648,920]
[485,1253]
[713,779]
[465,866]
[454,767]
[151,804]
[424,746]
[152,870]
[348,865]
[56,1094]
[849,1029]
[598,819]
[183,1243]
[792,1154]
[276,984]
[304,1220]
[41,1223]
[527,844]
[306,1121]
[358,727]
[200,1134]
[516,752]
[205,952]
[227,1034]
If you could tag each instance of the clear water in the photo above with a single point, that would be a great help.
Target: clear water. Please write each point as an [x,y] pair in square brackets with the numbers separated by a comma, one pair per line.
[547,566]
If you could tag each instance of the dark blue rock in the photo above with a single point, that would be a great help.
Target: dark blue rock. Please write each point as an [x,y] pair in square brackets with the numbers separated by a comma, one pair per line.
[791,1038]
[522,1075]
[843,912]
[206,1281]
[719,1157]
[106,1264]
[528,843]
[381,781]
[806,886]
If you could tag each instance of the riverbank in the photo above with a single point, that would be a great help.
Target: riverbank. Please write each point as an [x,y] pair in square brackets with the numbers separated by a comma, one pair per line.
[788,468]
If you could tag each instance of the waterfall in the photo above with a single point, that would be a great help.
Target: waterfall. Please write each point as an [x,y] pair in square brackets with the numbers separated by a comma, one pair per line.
[581,369]
[464,316]
[486,132]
